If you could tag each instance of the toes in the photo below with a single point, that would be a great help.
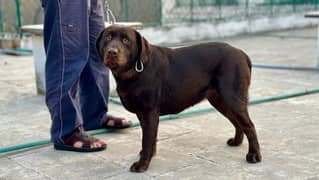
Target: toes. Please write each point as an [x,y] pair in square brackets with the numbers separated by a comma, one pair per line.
[113,122]
[92,145]
[82,142]
[110,123]
[125,122]
[98,144]
[102,142]
[78,144]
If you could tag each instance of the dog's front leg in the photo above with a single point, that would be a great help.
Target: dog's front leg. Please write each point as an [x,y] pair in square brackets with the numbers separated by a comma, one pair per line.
[149,122]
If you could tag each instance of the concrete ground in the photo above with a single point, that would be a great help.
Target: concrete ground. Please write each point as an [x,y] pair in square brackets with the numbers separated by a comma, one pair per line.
[188,148]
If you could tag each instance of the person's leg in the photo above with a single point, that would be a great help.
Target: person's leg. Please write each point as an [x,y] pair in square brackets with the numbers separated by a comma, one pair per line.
[93,97]
[94,81]
[93,104]
[66,47]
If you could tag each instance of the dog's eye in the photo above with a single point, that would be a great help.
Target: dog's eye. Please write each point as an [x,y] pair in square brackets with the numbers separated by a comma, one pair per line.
[109,38]
[125,41]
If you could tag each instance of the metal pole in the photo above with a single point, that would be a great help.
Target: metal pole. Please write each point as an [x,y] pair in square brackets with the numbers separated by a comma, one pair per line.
[219,9]
[160,13]
[271,8]
[192,12]
[294,6]
[247,8]
[19,23]
[126,17]
[318,45]
[1,20]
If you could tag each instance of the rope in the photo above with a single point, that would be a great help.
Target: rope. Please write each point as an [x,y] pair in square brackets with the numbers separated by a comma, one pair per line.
[109,14]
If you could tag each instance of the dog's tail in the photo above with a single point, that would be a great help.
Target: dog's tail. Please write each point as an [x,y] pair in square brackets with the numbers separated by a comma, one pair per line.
[248,61]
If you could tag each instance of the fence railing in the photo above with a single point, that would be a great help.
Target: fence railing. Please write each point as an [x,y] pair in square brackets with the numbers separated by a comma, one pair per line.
[15,13]
[223,10]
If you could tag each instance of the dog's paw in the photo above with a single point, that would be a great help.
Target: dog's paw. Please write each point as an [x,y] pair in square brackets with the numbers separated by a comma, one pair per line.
[233,142]
[253,157]
[139,166]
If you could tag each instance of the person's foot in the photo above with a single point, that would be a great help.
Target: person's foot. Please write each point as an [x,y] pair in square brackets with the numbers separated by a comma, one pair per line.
[117,123]
[80,141]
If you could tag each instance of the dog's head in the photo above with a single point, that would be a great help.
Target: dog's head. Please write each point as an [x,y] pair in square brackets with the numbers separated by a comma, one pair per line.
[121,47]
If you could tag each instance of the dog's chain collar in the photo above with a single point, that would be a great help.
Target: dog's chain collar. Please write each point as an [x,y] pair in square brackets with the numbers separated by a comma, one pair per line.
[141,65]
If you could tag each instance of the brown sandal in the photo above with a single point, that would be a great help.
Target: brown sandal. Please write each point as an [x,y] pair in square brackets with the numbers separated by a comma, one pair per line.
[80,136]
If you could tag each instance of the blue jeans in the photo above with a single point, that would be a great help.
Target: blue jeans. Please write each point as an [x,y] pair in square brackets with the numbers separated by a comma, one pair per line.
[77,84]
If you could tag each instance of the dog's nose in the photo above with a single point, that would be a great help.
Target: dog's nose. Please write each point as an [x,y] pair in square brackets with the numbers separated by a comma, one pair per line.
[112,52]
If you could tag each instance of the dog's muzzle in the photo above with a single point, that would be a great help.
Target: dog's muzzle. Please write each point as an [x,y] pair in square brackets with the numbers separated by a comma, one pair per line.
[111,58]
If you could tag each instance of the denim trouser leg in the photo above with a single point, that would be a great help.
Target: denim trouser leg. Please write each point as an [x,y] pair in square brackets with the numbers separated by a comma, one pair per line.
[67,45]
[95,78]
[93,103]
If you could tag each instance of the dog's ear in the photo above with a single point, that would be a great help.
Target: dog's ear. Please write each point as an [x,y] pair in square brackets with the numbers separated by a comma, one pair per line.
[143,47]
[99,44]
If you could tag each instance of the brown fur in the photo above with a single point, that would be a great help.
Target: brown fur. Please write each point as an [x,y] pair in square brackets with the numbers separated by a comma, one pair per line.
[175,79]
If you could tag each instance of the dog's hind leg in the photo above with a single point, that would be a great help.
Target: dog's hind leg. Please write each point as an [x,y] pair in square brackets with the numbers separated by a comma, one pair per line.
[217,101]
[236,111]
[248,127]
[231,98]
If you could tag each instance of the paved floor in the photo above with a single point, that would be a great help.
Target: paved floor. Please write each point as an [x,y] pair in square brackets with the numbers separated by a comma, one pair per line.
[188,148]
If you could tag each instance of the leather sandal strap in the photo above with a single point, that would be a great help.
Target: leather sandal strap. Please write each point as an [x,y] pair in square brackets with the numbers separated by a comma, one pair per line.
[81,136]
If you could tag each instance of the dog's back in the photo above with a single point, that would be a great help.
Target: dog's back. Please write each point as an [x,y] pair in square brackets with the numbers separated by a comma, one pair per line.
[190,72]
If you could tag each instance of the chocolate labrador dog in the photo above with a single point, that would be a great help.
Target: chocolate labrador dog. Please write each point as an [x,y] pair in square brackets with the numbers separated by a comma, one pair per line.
[154,81]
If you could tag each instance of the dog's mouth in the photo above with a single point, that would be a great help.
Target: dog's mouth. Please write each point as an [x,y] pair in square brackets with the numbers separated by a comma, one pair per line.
[111,62]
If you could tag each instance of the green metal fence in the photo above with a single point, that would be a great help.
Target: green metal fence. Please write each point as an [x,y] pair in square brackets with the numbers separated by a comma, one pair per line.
[14,13]
[224,10]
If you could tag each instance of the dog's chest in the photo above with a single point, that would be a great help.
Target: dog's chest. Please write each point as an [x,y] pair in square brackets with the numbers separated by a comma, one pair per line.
[128,101]
[138,99]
